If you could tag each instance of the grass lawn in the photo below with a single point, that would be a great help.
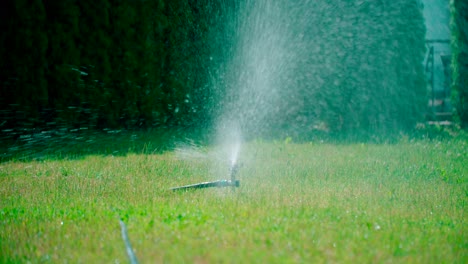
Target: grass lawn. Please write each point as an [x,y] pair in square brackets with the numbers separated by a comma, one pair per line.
[297,203]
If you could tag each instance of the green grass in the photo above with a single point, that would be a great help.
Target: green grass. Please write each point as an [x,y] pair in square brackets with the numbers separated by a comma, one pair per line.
[297,203]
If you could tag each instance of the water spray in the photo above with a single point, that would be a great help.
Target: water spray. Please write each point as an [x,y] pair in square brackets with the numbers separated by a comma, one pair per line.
[230,138]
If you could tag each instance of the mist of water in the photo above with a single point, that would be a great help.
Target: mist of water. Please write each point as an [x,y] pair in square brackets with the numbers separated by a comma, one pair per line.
[263,40]
[258,70]
[293,68]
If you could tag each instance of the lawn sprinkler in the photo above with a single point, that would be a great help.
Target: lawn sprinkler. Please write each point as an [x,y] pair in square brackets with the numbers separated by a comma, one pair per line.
[233,182]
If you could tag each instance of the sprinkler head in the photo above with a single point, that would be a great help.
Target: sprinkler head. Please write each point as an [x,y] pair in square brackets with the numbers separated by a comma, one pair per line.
[233,171]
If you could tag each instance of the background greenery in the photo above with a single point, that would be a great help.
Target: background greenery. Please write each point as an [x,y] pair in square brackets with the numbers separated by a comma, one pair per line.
[132,64]
[99,64]
[459,10]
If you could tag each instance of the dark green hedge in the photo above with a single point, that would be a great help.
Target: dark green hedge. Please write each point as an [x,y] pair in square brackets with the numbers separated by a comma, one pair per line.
[353,67]
[459,23]
[106,63]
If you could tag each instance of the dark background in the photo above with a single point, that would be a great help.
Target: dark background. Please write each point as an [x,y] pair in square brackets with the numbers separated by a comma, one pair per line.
[135,64]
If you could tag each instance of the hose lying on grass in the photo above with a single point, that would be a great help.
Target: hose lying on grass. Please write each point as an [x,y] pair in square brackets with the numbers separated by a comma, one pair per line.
[131,255]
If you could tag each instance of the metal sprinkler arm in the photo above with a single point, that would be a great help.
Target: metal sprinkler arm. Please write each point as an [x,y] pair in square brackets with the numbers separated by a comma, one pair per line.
[233,182]
[202,185]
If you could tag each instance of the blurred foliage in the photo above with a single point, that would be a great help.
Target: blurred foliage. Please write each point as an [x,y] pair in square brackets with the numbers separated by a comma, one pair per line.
[459,23]
[105,64]
[137,64]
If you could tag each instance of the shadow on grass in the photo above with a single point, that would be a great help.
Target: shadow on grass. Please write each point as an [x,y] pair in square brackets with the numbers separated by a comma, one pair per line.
[76,144]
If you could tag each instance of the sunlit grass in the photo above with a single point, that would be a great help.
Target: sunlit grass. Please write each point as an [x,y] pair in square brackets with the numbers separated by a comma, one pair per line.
[300,203]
